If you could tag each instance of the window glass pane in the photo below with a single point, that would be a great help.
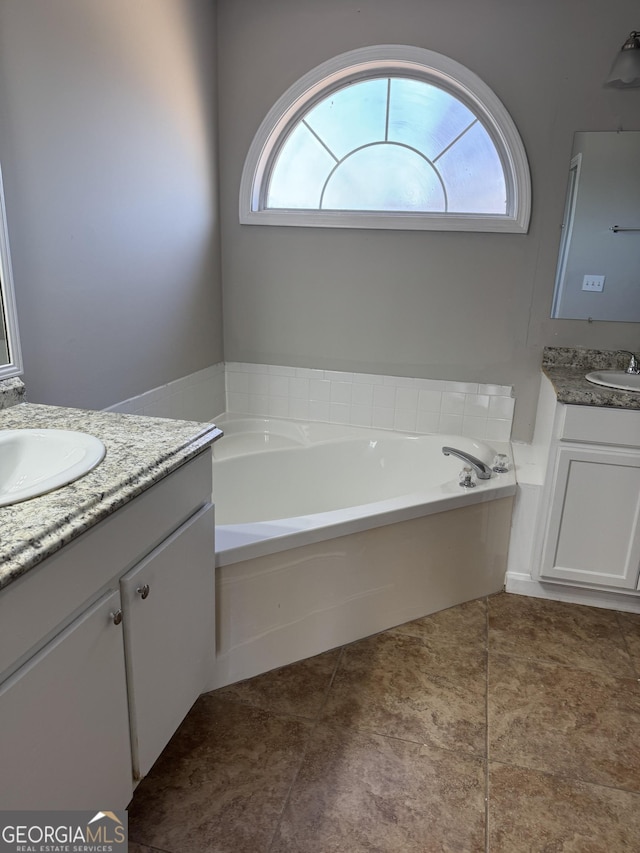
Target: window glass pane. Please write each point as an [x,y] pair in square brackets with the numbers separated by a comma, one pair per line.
[384,177]
[351,117]
[394,129]
[300,172]
[473,174]
[425,117]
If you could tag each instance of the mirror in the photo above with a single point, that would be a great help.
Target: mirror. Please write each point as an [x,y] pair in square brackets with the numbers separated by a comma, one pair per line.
[598,273]
[10,354]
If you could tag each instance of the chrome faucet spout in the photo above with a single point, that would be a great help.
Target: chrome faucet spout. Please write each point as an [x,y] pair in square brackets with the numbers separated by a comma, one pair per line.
[633,366]
[483,471]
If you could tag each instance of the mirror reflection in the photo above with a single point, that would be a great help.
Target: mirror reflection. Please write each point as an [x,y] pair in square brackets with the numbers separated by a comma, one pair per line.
[4,349]
[10,355]
[598,273]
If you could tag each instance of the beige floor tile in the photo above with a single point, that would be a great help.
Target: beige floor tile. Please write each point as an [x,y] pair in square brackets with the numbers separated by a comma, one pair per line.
[630,624]
[560,720]
[461,627]
[299,689]
[531,812]
[571,634]
[360,792]
[397,763]
[221,783]
[394,685]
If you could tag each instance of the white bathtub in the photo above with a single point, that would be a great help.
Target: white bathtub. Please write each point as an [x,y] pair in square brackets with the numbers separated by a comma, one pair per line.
[328,533]
[281,484]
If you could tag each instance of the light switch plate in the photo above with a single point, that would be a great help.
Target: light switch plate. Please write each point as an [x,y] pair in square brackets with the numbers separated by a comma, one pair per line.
[594,283]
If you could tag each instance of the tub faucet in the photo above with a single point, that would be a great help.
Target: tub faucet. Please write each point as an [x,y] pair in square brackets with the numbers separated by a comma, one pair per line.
[483,471]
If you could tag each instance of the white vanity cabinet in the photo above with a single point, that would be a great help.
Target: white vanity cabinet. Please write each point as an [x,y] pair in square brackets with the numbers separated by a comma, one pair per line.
[65,730]
[167,604]
[94,678]
[590,525]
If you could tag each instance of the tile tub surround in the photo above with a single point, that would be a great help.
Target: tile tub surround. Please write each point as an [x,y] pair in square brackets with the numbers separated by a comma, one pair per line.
[361,399]
[407,404]
[12,392]
[140,452]
[392,743]
[566,368]
[200,396]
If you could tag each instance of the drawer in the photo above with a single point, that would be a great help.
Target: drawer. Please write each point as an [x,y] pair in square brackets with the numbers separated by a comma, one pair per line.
[37,605]
[600,425]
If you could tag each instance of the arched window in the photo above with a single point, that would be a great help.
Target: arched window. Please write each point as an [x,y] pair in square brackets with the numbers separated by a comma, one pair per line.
[388,137]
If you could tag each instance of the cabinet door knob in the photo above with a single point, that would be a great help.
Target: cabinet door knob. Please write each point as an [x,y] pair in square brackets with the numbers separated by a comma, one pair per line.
[143,590]
[117,617]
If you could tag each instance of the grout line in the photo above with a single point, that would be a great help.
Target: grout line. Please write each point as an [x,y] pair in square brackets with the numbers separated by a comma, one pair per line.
[287,796]
[579,780]
[572,666]
[636,670]
[385,736]
[313,726]
[486,731]
[318,716]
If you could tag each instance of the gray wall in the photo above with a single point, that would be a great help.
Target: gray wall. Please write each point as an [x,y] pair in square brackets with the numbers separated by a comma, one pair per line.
[108,147]
[449,306]
[107,144]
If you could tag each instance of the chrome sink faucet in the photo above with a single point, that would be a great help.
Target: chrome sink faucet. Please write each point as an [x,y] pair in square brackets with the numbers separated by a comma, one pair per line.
[634,365]
[483,471]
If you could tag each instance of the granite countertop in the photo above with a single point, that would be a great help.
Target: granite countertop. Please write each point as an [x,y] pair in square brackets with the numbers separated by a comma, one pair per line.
[566,368]
[140,452]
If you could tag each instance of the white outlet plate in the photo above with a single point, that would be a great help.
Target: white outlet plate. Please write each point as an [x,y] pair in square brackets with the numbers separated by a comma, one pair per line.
[594,283]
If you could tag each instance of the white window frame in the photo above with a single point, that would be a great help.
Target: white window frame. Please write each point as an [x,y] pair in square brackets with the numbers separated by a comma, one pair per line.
[376,61]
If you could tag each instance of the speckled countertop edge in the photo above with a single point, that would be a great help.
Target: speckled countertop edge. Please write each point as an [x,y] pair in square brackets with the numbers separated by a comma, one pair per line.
[140,452]
[566,368]
[12,392]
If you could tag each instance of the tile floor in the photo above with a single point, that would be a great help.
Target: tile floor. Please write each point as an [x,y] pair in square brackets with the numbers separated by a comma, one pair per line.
[506,724]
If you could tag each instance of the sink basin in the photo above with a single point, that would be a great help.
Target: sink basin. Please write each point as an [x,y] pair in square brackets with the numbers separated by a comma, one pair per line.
[615,379]
[35,461]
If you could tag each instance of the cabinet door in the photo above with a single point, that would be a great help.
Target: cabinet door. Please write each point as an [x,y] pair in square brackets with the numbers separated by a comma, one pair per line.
[64,726]
[592,534]
[168,602]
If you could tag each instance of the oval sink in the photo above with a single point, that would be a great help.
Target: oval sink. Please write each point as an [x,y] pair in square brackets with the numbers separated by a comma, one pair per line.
[36,461]
[615,379]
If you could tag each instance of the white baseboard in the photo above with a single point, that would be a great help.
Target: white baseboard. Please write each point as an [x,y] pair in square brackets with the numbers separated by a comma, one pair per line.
[523,584]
